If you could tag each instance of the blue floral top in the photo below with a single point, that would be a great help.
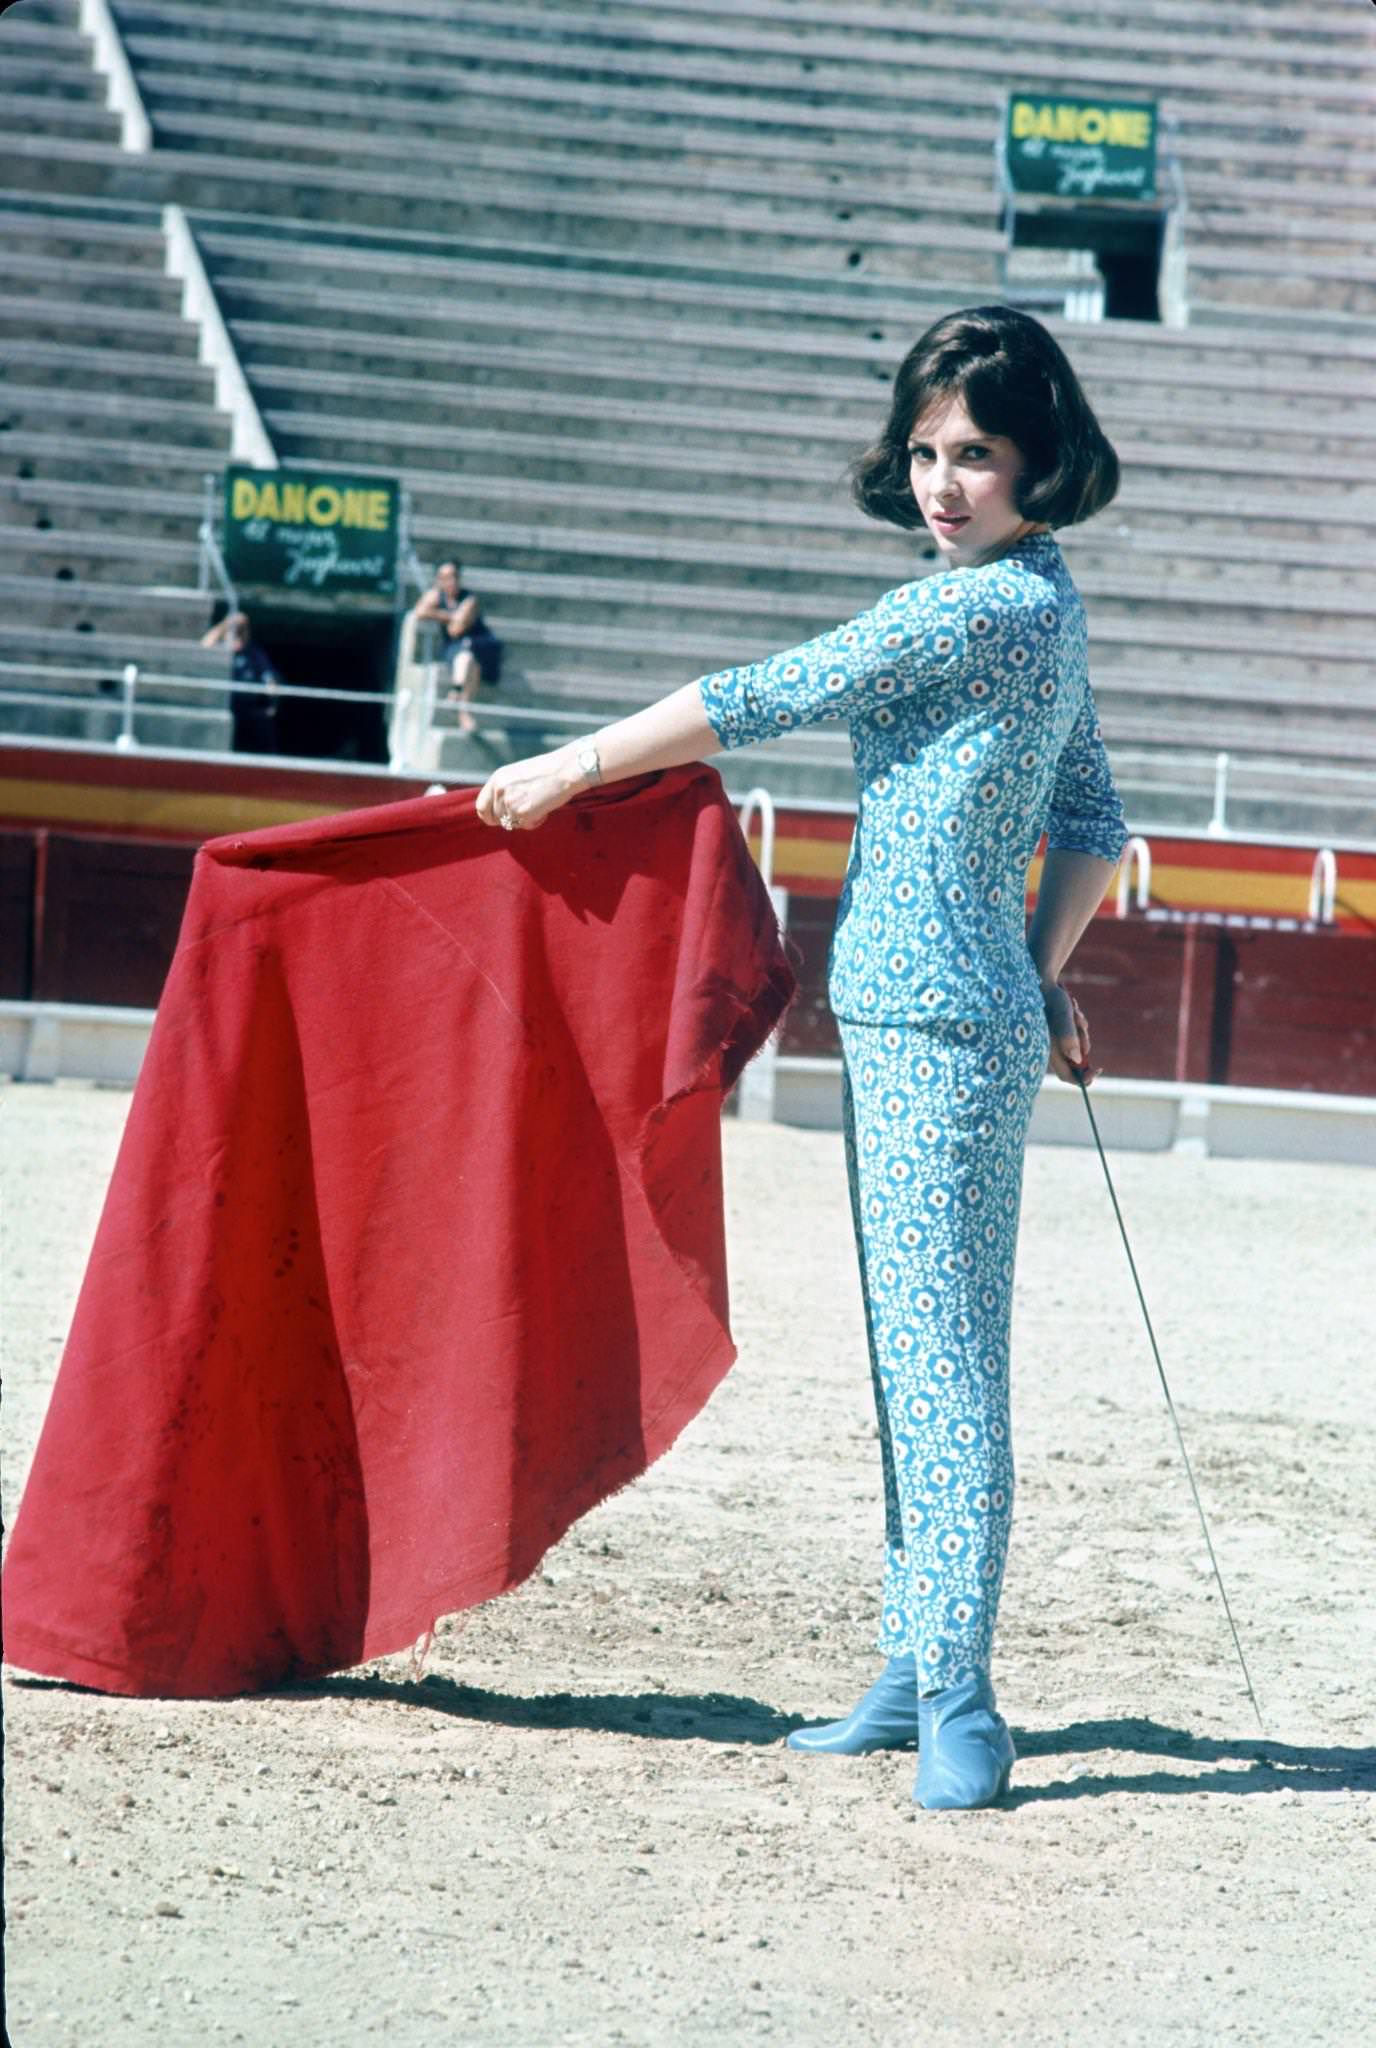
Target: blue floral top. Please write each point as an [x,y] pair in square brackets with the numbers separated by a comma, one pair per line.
[973,728]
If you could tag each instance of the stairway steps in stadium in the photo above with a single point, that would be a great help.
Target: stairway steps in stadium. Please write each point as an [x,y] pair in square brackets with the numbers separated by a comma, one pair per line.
[850,72]
[100,236]
[105,652]
[85,117]
[1073,31]
[677,465]
[669,364]
[497,176]
[81,608]
[763,541]
[139,375]
[1125,694]
[480,125]
[760,419]
[433,282]
[879,561]
[61,322]
[97,557]
[133,287]
[1184,619]
[39,409]
[889,239]
[673,97]
[49,36]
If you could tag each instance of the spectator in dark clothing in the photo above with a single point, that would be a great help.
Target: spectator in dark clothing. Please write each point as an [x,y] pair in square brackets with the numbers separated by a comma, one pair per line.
[255,714]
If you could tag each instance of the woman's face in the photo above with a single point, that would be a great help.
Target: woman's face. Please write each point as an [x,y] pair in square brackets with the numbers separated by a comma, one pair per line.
[449,577]
[963,480]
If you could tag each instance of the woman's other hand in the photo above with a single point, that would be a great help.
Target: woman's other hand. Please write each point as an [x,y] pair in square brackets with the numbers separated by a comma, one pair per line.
[1069,1029]
[523,794]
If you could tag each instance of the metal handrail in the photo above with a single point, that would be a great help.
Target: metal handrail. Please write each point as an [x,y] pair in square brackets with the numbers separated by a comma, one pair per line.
[759,799]
[1323,886]
[1136,857]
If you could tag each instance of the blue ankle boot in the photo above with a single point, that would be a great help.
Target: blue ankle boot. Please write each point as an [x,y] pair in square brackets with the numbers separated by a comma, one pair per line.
[886,1718]
[967,1751]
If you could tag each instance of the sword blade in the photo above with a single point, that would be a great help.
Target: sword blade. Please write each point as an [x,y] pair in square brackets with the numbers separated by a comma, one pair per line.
[1161,1370]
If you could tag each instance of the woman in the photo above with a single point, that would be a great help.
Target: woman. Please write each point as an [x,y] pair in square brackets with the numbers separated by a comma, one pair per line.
[467,646]
[973,727]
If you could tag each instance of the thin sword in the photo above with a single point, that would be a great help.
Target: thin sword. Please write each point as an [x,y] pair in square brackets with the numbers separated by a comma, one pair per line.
[1079,1073]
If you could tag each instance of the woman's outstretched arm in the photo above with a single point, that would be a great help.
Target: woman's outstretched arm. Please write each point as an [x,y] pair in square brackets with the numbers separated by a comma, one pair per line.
[664,735]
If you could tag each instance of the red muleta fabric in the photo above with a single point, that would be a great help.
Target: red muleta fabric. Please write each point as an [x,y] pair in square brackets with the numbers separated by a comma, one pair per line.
[414,1247]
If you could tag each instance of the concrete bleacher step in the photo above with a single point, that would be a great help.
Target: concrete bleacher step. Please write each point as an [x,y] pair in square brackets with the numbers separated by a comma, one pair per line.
[761,416]
[1316,577]
[156,336]
[124,285]
[40,409]
[1186,656]
[128,239]
[81,506]
[357,279]
[86,119]
[72,555]
[713,51]
[418,372]
[499,175]
[577,456]
[162,611]
[485,127]
[137,374]
[110,644]
[1219,132]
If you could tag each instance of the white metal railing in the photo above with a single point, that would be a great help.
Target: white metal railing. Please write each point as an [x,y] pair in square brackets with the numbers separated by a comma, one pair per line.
[1323,886]
[414,735]
[1136,859]
[759,802]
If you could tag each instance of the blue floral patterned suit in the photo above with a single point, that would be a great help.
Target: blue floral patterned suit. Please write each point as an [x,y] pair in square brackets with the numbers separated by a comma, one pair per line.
[973,729]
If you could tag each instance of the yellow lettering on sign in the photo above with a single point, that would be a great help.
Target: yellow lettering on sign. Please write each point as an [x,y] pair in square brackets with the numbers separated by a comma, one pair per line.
[294,503]
[242,500]
[269,505]
[377,511]
[1128,127]
[323,506]
[1129,130]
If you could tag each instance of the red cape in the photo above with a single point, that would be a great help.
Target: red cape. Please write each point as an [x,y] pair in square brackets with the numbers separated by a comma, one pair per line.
[413,1250]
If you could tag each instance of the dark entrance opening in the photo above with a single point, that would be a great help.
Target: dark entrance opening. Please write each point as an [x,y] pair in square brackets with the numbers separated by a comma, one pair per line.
[350,653]
[1127,250]
[347,651]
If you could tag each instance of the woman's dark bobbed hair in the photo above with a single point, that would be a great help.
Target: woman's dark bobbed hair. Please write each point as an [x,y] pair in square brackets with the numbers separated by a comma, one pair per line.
[1014,379]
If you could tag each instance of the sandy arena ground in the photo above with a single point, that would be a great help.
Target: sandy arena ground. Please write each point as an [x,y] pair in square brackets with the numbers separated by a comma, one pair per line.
[581,1826]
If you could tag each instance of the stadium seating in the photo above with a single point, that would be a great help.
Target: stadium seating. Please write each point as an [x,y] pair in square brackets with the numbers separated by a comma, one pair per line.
[617,290]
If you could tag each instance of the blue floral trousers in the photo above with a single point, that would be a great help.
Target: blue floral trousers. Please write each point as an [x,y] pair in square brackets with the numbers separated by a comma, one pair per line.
[936,1118]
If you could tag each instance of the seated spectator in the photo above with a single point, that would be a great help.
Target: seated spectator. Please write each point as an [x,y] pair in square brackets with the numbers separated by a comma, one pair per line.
[463,644]
[254,714]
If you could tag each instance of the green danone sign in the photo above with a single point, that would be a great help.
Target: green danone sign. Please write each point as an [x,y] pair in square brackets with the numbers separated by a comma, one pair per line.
[1081,148]
[310,531]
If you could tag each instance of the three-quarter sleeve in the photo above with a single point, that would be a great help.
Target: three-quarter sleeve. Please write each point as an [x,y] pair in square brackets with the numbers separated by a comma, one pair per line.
[925,633]
[1086,814]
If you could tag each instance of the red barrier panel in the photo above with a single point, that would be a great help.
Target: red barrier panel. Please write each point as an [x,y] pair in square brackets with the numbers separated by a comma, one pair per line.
[1195,1000]
[110,910]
